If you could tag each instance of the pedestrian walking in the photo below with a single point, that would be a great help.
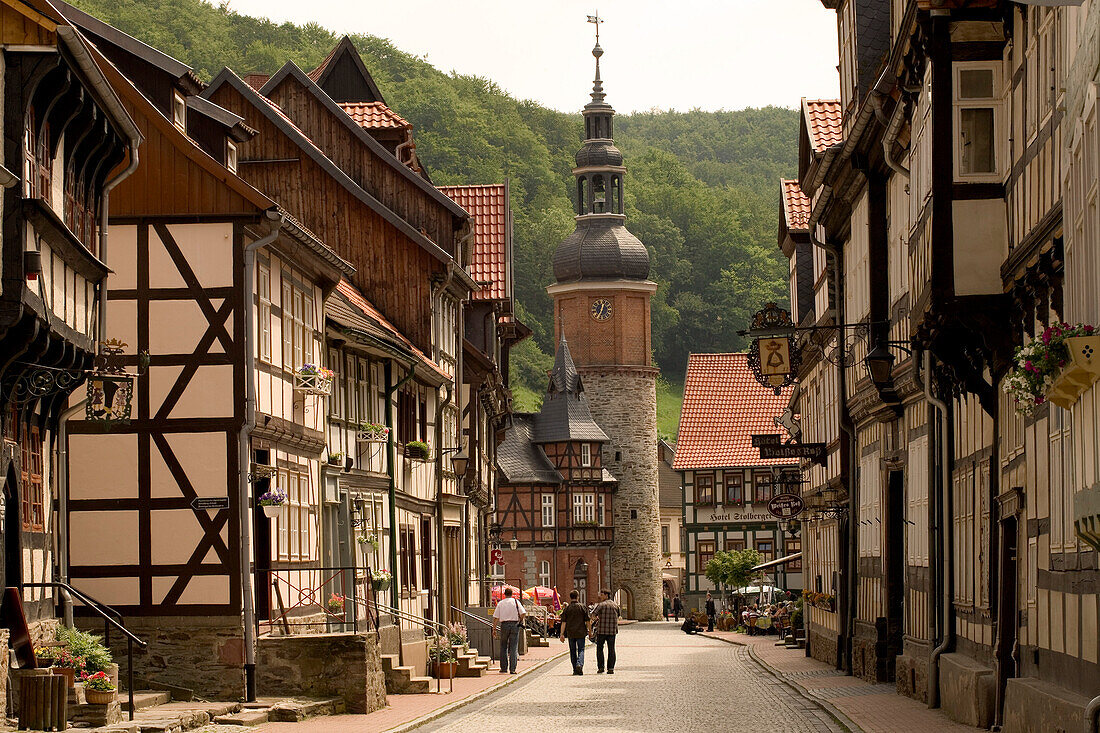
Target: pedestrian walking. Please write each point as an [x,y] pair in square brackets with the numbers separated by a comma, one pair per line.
[605,624]
[508,615]
[711,613]
[574,626]
[667,605]
[677,607]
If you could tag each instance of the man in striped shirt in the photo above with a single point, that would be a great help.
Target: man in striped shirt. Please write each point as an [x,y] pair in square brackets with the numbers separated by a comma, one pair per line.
[605,624]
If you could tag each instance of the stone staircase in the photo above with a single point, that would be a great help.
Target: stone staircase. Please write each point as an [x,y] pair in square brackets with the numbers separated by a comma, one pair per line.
[403,680]
[470,664]
[155,713]
[534,640]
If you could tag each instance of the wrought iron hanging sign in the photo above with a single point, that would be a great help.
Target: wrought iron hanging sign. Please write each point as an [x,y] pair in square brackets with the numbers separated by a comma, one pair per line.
[110,386]
[774,359]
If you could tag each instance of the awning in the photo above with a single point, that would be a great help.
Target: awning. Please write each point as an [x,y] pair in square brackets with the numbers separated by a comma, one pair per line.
[778,561]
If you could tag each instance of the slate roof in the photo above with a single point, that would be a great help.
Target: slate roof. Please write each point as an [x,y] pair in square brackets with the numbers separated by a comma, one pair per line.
[723,407]
[601,249]
[489,266]
[520,459]
[565,415]
[375,116]
[824,123]
[796,206]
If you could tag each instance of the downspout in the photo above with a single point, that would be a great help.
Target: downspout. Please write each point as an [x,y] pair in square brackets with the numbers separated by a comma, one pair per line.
[893,128]
[1089,716]
[63,510]
[943,598]
[244,454]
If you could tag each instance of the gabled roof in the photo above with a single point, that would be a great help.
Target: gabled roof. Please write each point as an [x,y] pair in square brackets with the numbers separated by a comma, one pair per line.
[152,56]
[234,124]
[796,206]
[291,69]
[520,459]
[724,406]
[824,123]
[346,52]
[281,121]
[490,265]
[375,116]
[348,307]
[565,415]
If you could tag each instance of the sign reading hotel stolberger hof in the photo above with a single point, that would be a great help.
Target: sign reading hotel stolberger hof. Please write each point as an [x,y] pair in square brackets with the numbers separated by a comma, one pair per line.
[786,506]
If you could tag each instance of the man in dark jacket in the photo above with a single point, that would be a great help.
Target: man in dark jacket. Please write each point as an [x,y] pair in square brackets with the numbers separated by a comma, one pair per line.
[677,607]
[711,613]
[574,626]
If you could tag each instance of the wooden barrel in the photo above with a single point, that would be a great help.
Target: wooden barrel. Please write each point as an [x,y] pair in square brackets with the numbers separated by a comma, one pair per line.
[43,703]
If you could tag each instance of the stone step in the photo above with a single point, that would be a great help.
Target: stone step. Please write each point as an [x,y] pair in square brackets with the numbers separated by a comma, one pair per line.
[295,711]
[144,699]
[243,718]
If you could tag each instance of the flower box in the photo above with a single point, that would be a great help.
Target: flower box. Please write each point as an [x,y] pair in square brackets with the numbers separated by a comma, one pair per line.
[418,451]
[1079,373]
[315,384]
[100,697]
[272,510]
[1057,366]
[372,433]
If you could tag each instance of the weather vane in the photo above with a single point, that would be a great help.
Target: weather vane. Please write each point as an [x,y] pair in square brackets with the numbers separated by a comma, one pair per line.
[596,19]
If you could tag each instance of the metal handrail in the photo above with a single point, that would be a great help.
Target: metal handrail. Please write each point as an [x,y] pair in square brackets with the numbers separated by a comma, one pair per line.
[437,628]
[475,617]
[106,612]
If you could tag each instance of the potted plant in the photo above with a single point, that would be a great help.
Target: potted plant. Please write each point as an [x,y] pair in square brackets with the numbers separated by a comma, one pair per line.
[457,636]
[443,658]
[335,604]
[380,579]
[99,689]
[272,502]
[68,665]
[372,432]
[368,539]
[1056,366]
[44,655]
[418,450]
[313,379]
[336,459]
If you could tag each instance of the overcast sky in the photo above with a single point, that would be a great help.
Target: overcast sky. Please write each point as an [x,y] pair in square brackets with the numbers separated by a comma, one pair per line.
[707,54]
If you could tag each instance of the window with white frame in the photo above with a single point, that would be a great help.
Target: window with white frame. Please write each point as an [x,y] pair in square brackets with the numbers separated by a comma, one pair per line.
[263,288]
[977,92]
[179,111]
[350,387]
[231,155]
[847,28]
[544,573]
[1061,482]
[336,404]
[297,309]
[548,510]
[600,510]
[584,508]
[295,530]
[586,454]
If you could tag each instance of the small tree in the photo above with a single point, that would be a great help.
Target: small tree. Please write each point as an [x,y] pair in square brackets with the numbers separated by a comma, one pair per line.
[732,569]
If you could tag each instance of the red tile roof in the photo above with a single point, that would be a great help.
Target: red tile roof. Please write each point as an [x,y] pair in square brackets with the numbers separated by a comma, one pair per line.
[375,116]
[796,206]
[723,407]
[256,81]
[356,298]
[488,205]
[824,123]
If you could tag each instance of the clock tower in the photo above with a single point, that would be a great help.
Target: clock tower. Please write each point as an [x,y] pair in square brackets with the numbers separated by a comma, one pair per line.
[601,298]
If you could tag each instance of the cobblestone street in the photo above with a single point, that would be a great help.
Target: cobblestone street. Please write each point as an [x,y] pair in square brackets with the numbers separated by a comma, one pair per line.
[664,681]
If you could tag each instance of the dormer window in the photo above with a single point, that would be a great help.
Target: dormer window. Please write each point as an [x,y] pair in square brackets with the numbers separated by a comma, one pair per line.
[586,454]
[231,155]
[179,111]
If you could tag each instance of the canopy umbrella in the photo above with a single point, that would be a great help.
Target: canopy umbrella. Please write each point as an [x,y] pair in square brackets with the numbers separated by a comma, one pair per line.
[497,592]
[542,594]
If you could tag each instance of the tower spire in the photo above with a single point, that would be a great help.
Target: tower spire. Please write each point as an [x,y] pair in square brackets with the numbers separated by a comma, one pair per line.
[597,83]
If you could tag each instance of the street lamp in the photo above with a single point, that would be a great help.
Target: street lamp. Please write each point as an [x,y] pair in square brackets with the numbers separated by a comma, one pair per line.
[880,364]
[514,542]
[459,461]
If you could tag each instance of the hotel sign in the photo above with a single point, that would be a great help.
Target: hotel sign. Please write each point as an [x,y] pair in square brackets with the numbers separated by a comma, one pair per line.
[814,451]
[786,506]
[759,441]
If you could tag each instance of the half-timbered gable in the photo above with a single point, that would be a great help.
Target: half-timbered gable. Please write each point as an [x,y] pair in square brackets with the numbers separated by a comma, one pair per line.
[67,141]
[726,485]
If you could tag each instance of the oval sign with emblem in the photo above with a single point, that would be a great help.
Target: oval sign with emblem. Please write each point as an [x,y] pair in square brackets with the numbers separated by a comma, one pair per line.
[786,506]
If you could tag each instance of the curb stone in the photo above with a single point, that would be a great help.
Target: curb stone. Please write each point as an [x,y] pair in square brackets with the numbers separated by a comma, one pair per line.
[841,718]
[440,712]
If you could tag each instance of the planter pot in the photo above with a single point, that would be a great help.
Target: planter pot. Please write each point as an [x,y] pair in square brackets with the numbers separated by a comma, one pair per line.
[313,384]
[381,585]
[100,697]
[68,673]
[272,510]
[366,437]
[1085,352]
[418,454]
[336,461]
[444,670]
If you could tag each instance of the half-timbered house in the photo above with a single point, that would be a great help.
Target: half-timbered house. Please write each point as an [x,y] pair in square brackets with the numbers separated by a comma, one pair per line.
[726,484]
[673,538]
[68,142]
[554,496]
[223,290]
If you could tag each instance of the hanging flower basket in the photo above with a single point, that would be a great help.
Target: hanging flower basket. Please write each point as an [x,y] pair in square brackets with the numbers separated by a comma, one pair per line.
[1057,366]
[372,433]
[380,580]
[312,379]
[418,451]
[272,502]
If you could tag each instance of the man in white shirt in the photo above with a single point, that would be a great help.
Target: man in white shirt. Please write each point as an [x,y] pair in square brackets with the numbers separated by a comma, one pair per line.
[509,615]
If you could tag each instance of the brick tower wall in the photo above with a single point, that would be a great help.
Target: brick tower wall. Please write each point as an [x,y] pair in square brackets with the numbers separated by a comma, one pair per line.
[623,400]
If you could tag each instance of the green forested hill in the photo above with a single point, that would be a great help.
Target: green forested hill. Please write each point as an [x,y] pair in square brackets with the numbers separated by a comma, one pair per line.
[701,192]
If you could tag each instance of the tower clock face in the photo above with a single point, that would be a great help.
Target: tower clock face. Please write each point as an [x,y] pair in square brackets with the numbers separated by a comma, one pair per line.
[601,309]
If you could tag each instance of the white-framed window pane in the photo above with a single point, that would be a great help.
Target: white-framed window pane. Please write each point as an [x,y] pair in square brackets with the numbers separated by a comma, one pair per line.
[976,137]
[589,507]
[976,84]
[586,454]
[578,508]
[547,510]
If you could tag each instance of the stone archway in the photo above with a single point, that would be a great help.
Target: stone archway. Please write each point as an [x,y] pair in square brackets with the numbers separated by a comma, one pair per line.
[626,602]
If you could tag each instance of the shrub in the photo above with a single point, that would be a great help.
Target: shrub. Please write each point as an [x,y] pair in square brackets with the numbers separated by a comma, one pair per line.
[97,657]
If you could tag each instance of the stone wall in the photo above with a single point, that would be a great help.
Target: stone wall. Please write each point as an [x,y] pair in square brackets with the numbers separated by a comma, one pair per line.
[200,653]
[966,690]
[912,671]
[623,400]
[4,666]
[823,646]
[1033,705]
[345,665]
